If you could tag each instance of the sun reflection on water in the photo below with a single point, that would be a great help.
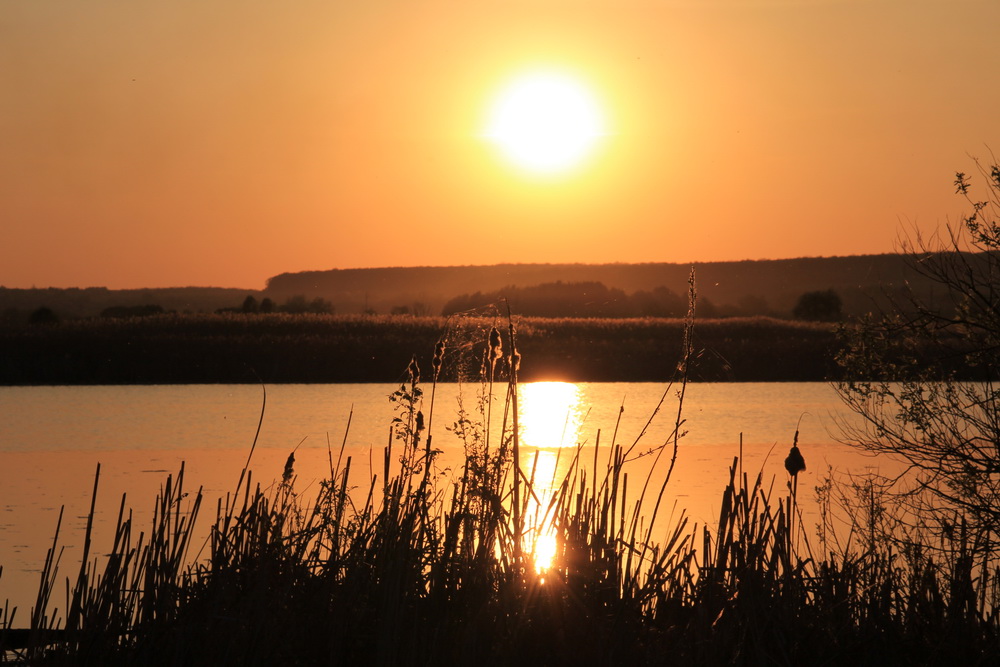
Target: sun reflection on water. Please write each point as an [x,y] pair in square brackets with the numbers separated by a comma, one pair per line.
[551,418]
[551,414]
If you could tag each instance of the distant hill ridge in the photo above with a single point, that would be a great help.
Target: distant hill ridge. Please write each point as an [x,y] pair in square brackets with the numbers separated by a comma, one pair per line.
[733,288]
[749,287]
[73,302]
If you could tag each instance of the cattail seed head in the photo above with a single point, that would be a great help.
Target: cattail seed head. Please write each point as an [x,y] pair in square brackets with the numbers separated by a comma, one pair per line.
[414,371]
[438,356]
[794,462]
[496,346]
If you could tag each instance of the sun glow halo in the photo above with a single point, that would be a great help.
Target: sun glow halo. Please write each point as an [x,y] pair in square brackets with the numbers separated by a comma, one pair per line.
[545,122]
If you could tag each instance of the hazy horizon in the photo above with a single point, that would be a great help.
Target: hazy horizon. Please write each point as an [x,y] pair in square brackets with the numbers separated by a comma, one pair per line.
[263,284]
[150,144]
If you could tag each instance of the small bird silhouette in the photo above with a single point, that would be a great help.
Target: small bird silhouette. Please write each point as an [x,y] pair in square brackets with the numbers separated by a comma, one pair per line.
[794,463]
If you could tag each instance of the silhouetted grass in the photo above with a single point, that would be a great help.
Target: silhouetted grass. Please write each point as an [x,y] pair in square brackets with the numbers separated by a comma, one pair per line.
[407,567]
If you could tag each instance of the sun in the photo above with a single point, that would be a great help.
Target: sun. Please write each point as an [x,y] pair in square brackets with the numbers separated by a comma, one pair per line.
[545,122]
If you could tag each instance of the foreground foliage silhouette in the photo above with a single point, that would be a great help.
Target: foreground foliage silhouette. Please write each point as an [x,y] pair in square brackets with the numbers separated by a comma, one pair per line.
[924,378]
[406,569]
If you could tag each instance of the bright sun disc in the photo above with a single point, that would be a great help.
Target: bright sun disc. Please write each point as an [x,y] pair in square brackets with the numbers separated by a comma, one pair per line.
[545,122]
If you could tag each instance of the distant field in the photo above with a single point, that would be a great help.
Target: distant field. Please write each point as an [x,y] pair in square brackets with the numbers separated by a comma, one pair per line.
[234,348]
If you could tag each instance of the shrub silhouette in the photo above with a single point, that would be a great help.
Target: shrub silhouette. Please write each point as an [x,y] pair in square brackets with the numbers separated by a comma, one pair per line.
[298,305]
[250,305]
[929,391]
[820,306]
[43,315]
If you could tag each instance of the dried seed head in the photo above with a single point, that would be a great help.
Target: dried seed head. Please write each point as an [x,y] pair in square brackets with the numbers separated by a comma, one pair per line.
[794,462]
[496,346]
[414,370]
[438,356]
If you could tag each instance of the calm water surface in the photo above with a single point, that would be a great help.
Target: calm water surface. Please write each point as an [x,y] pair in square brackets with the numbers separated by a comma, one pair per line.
[52,439]
[216,417]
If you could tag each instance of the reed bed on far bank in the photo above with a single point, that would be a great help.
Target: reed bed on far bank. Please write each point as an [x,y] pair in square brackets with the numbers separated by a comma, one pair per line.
[275,348]
[410,567]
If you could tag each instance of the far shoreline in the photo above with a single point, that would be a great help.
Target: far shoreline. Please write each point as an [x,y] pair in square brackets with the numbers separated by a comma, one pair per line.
[310,349]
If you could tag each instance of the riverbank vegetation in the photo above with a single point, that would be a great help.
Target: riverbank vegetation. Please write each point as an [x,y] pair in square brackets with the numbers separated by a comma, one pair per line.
[923,411]
[234,348]
[495,564]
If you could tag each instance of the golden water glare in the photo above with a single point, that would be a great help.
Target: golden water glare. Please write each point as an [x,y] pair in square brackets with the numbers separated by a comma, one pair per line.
[551,418]
[550,414]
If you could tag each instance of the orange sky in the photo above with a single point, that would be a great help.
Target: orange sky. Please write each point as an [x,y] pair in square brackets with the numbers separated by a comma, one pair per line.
[194,142]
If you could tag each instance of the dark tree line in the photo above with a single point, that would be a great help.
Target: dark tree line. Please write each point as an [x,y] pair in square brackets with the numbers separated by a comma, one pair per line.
[558,299]
[594,299]
[296,305]
[576,299]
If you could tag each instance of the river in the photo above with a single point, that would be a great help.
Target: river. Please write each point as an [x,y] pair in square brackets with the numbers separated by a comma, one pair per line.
[52,438]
